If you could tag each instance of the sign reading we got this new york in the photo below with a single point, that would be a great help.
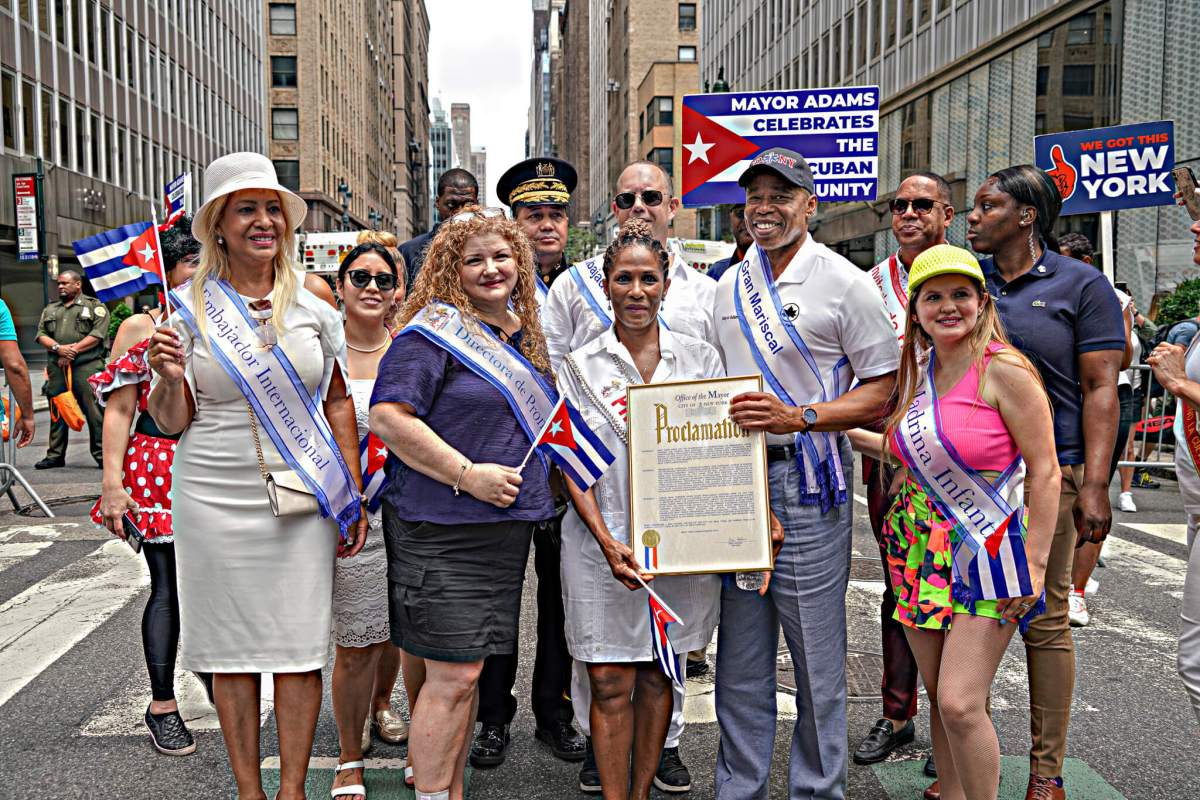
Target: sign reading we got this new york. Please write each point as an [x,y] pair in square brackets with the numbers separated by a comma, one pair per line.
[836,130]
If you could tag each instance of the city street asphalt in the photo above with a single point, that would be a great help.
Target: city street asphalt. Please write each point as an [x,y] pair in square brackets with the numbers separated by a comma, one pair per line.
[73,685]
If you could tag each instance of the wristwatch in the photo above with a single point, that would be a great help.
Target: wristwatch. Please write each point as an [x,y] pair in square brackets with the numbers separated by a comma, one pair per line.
[55,348]
[809,415]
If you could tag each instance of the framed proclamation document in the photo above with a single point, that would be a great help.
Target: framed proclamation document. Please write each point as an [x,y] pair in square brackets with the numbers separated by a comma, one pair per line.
[697,481]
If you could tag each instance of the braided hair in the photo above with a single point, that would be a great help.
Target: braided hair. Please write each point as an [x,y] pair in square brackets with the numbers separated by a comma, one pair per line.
[635,233]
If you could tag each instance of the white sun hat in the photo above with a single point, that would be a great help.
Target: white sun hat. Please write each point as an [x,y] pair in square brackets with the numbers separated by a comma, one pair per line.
[237,171]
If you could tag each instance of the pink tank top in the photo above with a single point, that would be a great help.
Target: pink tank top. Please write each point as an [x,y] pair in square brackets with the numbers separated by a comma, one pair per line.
[976,430]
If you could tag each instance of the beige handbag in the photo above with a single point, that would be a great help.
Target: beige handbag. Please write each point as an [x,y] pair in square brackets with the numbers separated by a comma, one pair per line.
[287,491]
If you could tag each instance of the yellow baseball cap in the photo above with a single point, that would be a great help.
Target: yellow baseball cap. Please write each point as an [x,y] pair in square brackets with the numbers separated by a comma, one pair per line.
[942,259]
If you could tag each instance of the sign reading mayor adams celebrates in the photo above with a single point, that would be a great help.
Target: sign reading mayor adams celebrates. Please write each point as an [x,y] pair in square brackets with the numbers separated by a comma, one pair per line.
[836,130]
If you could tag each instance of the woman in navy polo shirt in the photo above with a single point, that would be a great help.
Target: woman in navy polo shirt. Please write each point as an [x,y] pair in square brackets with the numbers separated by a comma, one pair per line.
[1064,316]
[458,516]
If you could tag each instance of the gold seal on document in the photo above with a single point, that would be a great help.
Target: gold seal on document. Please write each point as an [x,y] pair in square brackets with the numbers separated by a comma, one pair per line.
[651,538]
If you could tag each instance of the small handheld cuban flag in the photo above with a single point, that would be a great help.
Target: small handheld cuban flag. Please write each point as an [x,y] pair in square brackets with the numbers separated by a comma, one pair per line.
[373,453]
[121,262]
[576,449]
[661,618]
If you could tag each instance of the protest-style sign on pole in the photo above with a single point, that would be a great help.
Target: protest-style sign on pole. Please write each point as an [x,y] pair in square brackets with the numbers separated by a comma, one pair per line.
[1107,169]
[836,130]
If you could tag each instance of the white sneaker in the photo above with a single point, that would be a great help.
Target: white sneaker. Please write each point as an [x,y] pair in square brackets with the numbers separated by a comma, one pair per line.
[1077,611]
[1125,502]
[1092,587]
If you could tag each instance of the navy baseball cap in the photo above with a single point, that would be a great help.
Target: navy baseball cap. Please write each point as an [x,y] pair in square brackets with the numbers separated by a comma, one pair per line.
[787,164]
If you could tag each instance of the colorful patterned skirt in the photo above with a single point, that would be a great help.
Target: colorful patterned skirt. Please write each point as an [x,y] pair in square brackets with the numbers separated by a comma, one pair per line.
[918,540]
[146,475]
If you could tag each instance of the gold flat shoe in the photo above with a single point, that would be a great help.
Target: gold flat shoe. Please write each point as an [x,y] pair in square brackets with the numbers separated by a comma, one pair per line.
[366,737]
[390,726]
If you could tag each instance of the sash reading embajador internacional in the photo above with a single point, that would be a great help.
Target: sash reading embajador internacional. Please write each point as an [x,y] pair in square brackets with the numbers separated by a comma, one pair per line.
[531,399]
[989,551]
[793,374]
[285,408]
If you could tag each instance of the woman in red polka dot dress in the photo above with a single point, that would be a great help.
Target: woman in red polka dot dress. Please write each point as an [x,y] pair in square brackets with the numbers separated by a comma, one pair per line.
[137,483]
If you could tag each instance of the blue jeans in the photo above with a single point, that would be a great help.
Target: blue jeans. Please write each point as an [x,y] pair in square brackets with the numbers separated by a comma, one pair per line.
[807,597]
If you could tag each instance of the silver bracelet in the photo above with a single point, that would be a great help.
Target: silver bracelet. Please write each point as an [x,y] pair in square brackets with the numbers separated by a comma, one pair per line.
[461,472]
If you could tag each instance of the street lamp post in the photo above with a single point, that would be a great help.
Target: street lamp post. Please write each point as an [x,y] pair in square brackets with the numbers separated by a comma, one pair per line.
[344,191]
[376,218]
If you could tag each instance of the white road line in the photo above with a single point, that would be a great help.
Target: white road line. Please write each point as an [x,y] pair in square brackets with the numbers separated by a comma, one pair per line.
[325,762]
[122,714]
[17,552]
[49,618]
[1171,532]
[45,530]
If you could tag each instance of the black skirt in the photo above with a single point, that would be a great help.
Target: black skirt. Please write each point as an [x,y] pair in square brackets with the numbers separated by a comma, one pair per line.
[454,591]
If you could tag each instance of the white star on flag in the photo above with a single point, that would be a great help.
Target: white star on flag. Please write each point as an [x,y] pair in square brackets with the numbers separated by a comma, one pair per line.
[699,149]
[556,428]
[147,254]
[381,452]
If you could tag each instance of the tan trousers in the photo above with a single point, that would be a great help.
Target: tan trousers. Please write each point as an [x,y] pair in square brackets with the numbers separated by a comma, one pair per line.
[1049,650]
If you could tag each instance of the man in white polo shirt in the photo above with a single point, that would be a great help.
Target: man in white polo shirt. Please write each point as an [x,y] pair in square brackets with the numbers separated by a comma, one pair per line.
[810,323]
[577,311]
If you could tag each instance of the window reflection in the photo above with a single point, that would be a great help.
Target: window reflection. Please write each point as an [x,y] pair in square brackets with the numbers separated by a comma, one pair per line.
[1077,73]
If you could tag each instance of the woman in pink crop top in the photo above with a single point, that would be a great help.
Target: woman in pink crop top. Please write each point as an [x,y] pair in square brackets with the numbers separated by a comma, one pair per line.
[990,412]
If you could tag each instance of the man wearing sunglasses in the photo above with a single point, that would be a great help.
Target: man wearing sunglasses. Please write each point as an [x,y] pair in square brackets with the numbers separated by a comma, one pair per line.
[538,190]
[921,215]
[455,188]
[576,310]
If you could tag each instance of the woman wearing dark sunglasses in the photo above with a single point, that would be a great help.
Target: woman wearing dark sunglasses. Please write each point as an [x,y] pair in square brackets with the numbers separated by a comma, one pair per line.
[366,663]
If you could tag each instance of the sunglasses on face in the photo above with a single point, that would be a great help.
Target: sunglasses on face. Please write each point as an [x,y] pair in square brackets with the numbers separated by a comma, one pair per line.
[650,198]
[921,205]
[384,281]
[483,213]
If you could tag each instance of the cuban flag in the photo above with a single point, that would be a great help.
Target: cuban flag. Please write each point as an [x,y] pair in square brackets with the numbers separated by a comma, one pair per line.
[121,262]
[661,618]
[175,197]
[372,453]
[576,449]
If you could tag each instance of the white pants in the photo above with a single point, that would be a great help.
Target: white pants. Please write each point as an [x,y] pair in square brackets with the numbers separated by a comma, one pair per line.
[581,701]
[1189,636]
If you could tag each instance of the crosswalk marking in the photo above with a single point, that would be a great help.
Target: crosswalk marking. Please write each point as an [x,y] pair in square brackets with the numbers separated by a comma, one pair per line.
[50,617]
[19,551]
[122,714]
[1171,532]
[326,762]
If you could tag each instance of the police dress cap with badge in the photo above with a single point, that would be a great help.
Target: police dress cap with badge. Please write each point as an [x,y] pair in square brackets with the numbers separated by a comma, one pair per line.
[787,164]
[537,182]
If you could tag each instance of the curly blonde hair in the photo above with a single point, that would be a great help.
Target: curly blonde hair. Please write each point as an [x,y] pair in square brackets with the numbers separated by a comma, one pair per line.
[439,280]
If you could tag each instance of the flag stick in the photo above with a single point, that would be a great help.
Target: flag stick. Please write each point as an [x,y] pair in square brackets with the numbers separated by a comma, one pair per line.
[162,265]
[661,602]
[540,432]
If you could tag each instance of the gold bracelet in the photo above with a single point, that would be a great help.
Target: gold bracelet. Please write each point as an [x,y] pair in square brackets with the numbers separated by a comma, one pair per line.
[462,471]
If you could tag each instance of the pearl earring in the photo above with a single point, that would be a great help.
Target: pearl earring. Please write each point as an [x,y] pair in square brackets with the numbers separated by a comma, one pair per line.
[220,240]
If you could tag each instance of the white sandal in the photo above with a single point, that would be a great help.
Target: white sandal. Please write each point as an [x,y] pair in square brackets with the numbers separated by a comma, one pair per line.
[354,788]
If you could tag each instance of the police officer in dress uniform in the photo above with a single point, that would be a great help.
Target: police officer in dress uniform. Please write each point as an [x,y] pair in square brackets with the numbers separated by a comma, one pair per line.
[538,191]
[73,331]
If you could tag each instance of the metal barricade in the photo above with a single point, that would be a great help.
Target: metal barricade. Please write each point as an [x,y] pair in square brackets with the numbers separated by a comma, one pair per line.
[1152,436]
[9,474]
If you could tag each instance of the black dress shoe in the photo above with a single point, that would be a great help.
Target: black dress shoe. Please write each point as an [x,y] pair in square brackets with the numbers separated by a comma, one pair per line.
[930,767]
[882,740]
[490,745]
[697,667]
[672,776]
[169,735]
[564,741]
[50,463]
[589,774]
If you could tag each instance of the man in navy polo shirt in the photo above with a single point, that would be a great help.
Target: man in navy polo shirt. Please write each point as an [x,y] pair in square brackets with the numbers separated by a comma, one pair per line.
[1064,316]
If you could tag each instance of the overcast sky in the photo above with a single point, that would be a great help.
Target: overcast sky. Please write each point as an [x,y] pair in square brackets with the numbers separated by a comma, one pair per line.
[480,53]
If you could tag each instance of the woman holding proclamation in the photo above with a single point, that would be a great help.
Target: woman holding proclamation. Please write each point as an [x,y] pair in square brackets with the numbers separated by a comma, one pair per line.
[459,398]
[608,623]
[248,354]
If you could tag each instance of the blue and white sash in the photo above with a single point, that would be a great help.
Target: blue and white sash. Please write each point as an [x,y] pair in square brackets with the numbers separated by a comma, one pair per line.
[589,277]
[285,409]
[542,290]
[794,376]
[988,548]
[530,397]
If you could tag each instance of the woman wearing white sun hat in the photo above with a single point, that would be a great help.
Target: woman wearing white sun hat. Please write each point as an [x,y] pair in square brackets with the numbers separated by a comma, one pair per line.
[246,354]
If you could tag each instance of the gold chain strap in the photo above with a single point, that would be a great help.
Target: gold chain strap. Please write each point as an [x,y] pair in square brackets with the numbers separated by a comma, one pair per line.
[262,465]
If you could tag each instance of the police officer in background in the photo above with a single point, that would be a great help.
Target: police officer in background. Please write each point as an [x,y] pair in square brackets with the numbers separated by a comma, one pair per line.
[538,191]
[73,331]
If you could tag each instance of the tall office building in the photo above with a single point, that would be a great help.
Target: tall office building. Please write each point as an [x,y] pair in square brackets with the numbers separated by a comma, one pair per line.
[441,148]
[965,87]
[410,57]
[109,101]
[460,121]
[558,108]
[479,170]
[332,107]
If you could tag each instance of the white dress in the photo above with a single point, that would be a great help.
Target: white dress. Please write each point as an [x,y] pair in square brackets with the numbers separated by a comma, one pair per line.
[360,588]
[255,590]
[606,622]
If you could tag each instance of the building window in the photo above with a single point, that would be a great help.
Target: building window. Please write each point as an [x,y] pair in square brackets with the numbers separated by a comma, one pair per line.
[664,158]
[1077,122]
[7,93]
[283,19]
[1079,29]
[1046,40]
[660,111]
[64,134]
[285,123]
[687,17]
[289,174]
[283,71]
[1078,80]
[1043,80]
[687,53]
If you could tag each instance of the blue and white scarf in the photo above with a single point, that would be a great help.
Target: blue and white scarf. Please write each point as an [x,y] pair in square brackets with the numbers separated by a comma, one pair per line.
[286,410]
[793,375]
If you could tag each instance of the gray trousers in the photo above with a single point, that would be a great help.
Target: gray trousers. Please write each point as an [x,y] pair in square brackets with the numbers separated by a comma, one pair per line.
[1189,637]
[807,597]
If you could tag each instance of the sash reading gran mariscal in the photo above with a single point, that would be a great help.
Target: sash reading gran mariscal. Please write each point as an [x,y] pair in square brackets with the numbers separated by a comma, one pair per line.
[694,432]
